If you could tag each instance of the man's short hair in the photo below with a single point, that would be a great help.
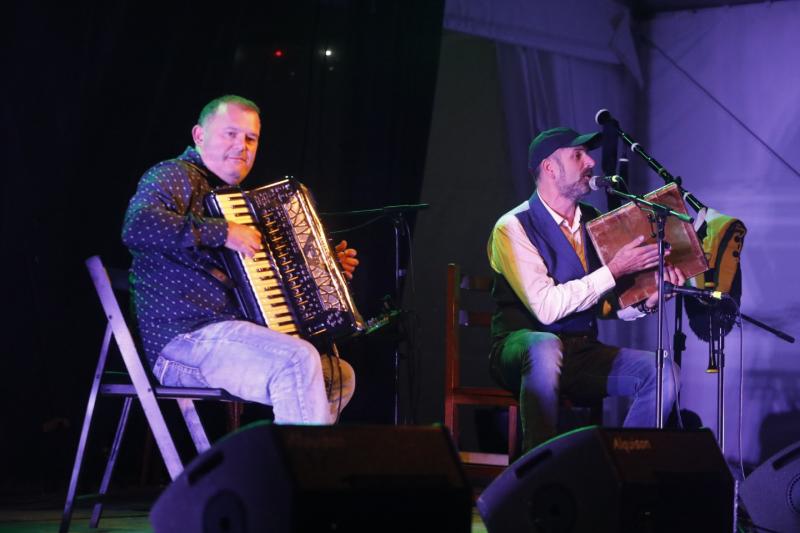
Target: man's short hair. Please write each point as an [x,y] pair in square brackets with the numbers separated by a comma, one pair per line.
[212,107]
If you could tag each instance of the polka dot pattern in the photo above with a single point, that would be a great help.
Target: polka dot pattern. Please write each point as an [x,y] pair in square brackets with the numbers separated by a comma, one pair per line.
[171,241]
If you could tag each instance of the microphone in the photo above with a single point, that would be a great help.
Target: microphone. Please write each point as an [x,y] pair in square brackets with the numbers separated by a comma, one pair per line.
[604,117]
[604,182]
[692,291]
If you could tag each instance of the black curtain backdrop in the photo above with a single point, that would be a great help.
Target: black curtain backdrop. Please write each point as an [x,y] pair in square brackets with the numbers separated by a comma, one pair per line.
[96,92]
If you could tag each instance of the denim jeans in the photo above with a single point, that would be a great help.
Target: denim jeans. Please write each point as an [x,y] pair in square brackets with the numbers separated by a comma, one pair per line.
[541,367]
[260,365]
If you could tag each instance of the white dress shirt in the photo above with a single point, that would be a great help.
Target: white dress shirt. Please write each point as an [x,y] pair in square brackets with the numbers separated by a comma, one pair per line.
[514,256]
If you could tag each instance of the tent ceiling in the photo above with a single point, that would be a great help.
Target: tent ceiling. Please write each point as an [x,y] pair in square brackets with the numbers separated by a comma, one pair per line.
[648,8]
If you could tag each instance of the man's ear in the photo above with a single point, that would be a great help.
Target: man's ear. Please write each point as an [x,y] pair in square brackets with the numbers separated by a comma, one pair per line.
[547,166]
[198,135]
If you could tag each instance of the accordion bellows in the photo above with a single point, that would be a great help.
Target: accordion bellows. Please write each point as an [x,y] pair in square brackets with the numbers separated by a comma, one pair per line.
[294,285]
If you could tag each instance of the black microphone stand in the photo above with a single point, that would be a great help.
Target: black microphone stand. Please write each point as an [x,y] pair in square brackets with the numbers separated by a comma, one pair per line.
[716,346]
[658,214]
[655,165]
[778,333]
[716,354]
[608,122]
[399,224]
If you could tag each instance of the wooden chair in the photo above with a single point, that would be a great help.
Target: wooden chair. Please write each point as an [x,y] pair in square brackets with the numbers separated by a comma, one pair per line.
[141,386]
[457,316]
[455,394]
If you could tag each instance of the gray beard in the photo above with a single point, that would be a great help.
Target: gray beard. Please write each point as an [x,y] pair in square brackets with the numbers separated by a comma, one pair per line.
[573,191]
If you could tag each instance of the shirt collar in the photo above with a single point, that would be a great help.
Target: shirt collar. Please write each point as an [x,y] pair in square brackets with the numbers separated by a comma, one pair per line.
[191,155]
[576,222]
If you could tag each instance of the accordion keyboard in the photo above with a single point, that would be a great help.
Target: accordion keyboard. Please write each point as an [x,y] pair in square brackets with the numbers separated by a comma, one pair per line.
[263,282]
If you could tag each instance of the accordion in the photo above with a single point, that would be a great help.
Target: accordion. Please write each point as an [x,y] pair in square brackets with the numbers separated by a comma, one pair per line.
[294,285]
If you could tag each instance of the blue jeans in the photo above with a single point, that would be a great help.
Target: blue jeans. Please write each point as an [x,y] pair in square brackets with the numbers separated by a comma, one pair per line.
[259,365]
[541,367]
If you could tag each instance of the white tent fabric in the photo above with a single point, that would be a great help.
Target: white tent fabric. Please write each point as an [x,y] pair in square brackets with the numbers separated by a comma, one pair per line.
[719,108]
[551,26]
[724,113]
[542,89]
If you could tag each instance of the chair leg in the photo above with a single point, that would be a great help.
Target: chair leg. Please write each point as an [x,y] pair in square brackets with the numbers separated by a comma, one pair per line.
[450,417]
[513,447]
[69,504]
[235,410]
[454,429]
[97,511]
[194,424]
[160,431]
[147,453]
[66,516]
[596,414]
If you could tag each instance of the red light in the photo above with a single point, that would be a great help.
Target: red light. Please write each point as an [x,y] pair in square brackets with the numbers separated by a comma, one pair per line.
[278,53]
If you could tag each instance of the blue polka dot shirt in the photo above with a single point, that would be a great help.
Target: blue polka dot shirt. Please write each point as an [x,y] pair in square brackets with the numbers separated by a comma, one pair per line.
[172,243]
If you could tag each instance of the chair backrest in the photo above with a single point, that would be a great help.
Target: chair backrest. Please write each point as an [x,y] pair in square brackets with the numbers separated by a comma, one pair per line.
[140,377]
[457,315]
[105,281]
[468,298]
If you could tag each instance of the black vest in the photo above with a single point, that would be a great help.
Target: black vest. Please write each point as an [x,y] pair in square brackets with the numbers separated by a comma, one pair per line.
[563,265]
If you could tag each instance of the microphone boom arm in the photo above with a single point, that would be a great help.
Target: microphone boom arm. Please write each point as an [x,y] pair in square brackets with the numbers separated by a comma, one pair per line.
[603,117]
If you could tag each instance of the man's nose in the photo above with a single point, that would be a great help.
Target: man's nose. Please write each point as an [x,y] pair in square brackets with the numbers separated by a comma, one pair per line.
[239,141]
[589,161]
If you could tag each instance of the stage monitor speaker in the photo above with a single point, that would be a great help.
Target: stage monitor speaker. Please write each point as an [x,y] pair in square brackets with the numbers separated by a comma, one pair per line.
[273,478]
[771,493]
[614,480]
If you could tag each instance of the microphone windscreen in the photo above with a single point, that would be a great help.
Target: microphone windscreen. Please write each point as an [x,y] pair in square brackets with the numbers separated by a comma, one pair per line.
[603,116]
[596,183]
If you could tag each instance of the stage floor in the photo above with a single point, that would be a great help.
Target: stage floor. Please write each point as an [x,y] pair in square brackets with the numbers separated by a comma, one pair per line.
[119,517]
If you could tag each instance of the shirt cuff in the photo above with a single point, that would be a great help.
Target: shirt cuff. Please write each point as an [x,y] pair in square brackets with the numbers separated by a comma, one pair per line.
[629,313]
[602,280]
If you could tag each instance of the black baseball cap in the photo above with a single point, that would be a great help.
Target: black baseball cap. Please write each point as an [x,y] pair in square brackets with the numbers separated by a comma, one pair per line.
[551,140]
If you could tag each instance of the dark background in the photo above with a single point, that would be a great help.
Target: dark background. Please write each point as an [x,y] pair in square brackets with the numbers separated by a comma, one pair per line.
[96,92]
